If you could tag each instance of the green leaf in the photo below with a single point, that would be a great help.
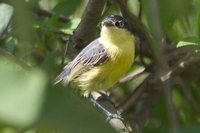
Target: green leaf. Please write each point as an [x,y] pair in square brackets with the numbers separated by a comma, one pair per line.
[6,12]
[66,7]
[65,111]
[184,43]
[21,94]
[71,26]
[134,6]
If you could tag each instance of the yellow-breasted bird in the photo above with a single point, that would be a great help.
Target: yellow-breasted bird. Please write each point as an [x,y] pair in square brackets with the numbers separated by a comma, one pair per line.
[105,60]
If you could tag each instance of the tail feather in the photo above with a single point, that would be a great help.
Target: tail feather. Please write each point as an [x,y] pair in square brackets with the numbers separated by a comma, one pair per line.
[62,76]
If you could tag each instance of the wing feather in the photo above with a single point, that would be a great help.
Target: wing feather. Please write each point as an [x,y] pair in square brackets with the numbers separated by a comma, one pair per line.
[92,55]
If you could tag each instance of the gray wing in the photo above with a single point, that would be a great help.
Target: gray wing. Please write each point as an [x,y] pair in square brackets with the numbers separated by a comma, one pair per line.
[92,55]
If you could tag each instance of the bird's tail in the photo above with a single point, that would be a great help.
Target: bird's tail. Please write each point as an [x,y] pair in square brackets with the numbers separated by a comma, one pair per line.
[62,76]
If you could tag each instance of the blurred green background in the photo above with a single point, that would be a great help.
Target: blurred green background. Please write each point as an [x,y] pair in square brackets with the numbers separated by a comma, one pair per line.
[32,45]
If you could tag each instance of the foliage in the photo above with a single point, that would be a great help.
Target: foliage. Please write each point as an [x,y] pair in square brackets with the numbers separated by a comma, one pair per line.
[34,36]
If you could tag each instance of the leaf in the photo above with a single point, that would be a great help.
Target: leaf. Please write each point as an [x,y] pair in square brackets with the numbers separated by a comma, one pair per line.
[134,6]
[71,26]
[66,7]
[21,94]
[65,111]
[6,12]
[184,43]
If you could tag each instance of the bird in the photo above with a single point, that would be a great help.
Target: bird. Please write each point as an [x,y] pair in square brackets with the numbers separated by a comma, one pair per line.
[103,61]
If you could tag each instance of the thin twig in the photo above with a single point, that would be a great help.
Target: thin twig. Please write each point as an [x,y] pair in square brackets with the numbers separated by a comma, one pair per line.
[132,75]
[127,103]
[11,57]
[175,70]
[65,52]
[187,60]
[190,99]
[143,106]
[45,13]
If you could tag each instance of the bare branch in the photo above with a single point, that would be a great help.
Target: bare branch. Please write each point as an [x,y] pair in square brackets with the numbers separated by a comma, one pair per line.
[45,13]
[85,32]
[103,102]
[132,75]
[127,103]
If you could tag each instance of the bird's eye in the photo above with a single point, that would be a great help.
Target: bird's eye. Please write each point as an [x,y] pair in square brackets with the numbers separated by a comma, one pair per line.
[119,24]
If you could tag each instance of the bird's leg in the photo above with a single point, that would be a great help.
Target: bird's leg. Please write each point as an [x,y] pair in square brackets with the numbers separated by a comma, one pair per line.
[103,102]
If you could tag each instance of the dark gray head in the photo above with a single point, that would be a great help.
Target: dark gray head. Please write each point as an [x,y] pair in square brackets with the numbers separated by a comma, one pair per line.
[116,20]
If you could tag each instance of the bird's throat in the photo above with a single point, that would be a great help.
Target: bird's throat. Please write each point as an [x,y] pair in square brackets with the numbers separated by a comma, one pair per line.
[115,35]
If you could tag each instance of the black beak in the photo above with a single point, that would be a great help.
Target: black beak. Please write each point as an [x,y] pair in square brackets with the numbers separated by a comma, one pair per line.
[108,22]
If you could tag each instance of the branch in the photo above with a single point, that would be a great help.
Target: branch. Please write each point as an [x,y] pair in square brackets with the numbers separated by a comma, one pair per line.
[85,31]
[177,53]
[13,58]
[148,88]
[137,28]
[103,102]
[65,52]
[142,100]
[175,70]
[144,105]
[132,75]
[188,95]
[128,102]
[45,13]
[157,52]
[145,96]
[188,58]
[163,67]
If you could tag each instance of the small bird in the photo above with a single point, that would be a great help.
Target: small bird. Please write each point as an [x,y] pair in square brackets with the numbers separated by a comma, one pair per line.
[104,61]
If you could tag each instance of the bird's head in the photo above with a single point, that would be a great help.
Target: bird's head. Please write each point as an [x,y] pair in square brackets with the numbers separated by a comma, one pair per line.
[115,21]
[115,27]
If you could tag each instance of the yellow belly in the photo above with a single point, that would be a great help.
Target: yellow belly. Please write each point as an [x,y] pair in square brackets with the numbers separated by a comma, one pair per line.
[120,47]
[103,77]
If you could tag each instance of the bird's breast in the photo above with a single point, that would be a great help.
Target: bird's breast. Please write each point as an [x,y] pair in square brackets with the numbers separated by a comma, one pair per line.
[120,58]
